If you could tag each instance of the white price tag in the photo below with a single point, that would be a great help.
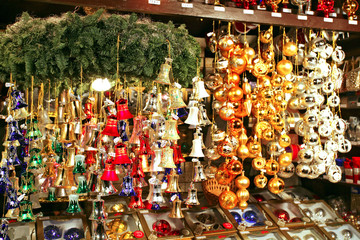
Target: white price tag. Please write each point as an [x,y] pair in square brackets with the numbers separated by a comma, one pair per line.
[9,84]
[333,15]
[309,12]
[154,2]
[112,154]
[248,11]
[302,17]
[244,232]
[276,14]
[353,22]
[328,20]
[284,228]
[219,9]
[187,5]
[82,150]
[286,10]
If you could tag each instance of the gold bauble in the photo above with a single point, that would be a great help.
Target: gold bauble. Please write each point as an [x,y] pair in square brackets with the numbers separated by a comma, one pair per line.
[265,81]
[236,126]
[284,140]
[260,180]
[277,80]
[238,64]
[268,134]
[242,195]
[249,53]
[271,65]
[228,199]
[258,163]
[232,78]
[225,54]
[243,205]
[242,181]
[278,98]
[235,167]
[246,88]
[272,167]
[288,87]
[260,68]
[266,36]
[290,49]
[117,208]
[267,94]
[284,67]
[226,43]
[285,159]
[254,147]
[282,106]
[235,94]
[242,152]
[249,67]
[117,226]
[276,185]
[268,54]
[243,137]
[280,125]
[221,94]
[227,112]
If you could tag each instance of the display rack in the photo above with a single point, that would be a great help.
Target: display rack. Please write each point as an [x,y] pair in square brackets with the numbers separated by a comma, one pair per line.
[198,9]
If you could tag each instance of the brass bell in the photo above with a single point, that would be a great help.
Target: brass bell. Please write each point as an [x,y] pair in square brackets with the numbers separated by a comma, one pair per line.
[171,132]
[70,160]
[176,100]
[167,160]
[164,74]
[176,209]
[21,113]
[67,133]
[173,183]
[47,149]
[65,178]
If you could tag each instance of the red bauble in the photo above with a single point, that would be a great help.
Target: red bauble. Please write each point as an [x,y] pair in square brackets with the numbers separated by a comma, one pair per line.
[259,198]
[162,227]
[296,219]
[282,214]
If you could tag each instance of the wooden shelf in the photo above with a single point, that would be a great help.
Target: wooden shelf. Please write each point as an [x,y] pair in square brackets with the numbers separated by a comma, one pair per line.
[198,9]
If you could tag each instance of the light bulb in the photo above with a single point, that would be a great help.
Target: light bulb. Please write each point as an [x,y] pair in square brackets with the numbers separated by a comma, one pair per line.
[101,84]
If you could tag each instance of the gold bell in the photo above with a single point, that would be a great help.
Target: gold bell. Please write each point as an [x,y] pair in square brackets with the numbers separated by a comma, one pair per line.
[171,130]
[70,161]
[67,133]
[65,177]
[173,184]
[167,160]
[21,113]
[176,209]
[164,74]
[176,100]
[61,114]
[47,149]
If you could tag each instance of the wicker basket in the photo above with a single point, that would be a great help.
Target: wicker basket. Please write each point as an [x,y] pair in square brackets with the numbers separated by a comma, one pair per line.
[212,189]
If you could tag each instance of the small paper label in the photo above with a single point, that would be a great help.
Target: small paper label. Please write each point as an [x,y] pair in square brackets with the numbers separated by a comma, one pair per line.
[144,211]
[82,150]
[21,197]
[322,225]
[328,19]
[353,22]
[9,119]
[309,12]
[174,116]
[286,10]
[248,11]
[9,84]
[219,9]
[333,15]
[297,202]
[154,2]
[284,228]
[187,5]
[276,14]
[173,197]
[302,17]
[244,232]
[112,154]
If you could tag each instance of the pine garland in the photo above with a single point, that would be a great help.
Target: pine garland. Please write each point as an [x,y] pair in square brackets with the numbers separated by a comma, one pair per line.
[55,48]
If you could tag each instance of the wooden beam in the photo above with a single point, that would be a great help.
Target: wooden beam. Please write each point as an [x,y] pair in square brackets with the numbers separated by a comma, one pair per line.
[174,8]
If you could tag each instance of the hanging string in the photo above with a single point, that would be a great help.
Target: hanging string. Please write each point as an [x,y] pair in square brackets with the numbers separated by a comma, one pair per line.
[80,100]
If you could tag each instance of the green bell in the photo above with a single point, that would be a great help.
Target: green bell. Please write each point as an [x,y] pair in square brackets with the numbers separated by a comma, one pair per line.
[52,195]
[33,131]
[82,186]
[74,206]
[57,146]
[26,214]
[79,164]
[27,183]
[35,161]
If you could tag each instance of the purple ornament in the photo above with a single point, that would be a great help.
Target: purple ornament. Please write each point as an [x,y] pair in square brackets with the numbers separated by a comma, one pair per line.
[181,112]
[12,157]
[5,182]
[167,172]
[178,194]
[178,169]
[52,232]
[12,199]
[155,206]
[17,100]
[14,131]
[74,234]
[122,131]
[237,217]
[4,229]
[127,187]
[250,216]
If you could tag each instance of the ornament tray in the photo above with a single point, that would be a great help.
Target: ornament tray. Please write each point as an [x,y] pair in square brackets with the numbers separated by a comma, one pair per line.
[263,222]
[209,222]
[20,230]
[132,221]
[147,219]
[320,212]
[263,235]
[293,211]
[260,195]
[112,200]
[339,229]
[296,194]
[309,233]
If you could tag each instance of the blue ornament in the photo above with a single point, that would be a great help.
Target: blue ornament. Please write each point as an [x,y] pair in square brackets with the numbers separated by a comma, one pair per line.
[127,187]
[181,112]
[5,182]
[4,229]
[178,194]
[52,232]
[17,100]
[155,206]
[12,199]
[14,131]
[122,131]
[74,234]
[250,216]
[167,172]
[12,157]
[178,169]
[237,217]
